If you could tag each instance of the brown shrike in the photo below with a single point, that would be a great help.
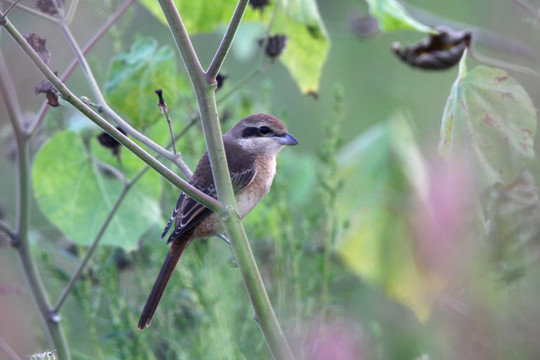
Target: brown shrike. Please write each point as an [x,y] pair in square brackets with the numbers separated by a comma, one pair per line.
[251,147]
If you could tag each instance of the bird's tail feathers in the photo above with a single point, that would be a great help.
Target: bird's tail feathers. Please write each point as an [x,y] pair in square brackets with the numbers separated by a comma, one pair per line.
[175,251]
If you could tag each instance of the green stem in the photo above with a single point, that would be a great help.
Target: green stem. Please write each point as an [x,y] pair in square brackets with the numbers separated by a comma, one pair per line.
[227,40]
[68,96]
[204,90]
[54,331]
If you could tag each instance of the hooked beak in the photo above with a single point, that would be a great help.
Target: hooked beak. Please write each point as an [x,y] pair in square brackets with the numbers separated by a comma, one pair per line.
[287,139]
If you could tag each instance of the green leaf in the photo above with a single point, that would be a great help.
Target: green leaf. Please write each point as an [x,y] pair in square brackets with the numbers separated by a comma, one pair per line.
[76,195]
[307,45]
[199,16]
[490,121]
[392,16]
[134,76]
[379,245]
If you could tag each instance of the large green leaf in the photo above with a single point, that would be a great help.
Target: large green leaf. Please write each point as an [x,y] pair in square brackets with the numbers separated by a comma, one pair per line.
[392,16]
[307,45]
[76,195]
[385,174]
[133,77]
[490,121]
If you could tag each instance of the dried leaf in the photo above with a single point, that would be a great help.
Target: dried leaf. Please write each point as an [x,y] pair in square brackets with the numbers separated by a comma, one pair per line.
[45,87]
[438,52]
[49,6]
[38,44]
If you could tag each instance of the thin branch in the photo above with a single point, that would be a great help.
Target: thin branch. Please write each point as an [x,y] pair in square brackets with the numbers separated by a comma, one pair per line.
[5,227]
[6,13]
[71,11]
[227,40]
[8,350]
[527,7]
[67,73]
[183,185]
[52,327]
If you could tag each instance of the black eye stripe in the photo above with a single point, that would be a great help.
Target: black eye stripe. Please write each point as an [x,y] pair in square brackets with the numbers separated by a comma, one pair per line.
[257,132]
[250,132]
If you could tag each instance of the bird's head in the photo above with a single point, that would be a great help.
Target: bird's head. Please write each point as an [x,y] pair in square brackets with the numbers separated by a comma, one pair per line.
[261,134]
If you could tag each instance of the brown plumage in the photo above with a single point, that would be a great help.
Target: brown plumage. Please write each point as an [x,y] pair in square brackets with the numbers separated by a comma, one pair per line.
[251,147]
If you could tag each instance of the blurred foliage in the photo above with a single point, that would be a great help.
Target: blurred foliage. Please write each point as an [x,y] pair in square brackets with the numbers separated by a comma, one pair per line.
[489,120]
[82,192]
[307,43]
[134,76]
[392,16]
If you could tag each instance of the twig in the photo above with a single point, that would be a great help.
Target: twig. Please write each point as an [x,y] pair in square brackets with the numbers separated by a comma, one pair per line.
[527,7]
[101,32]
[9,9]
[163,108]
[4,226]
[8,350]
[226,42]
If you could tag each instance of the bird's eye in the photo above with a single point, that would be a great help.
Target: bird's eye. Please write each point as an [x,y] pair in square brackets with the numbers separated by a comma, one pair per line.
[264,130]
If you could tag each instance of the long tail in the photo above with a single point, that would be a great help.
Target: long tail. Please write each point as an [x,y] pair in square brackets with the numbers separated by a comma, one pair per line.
[176,249]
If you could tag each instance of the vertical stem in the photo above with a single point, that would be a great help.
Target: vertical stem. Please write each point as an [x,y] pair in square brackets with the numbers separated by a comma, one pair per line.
[204,86]
[54,331]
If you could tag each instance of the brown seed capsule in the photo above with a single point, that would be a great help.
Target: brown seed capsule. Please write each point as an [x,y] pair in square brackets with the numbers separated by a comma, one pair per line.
[275,45]
[109,142]
[38,44]
[438,52]
[49,7]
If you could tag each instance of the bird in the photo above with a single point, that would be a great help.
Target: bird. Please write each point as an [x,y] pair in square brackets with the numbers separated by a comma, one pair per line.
[251,149]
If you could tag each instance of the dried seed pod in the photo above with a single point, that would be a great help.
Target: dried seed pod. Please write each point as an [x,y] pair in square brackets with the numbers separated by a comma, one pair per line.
[220,78]
[438,52]
[49,6]
[45,87]
[109,142]
[38,44]
[275,45]
[259,4]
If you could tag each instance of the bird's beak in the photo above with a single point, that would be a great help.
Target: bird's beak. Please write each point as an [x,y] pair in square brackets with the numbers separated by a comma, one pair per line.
[287,139]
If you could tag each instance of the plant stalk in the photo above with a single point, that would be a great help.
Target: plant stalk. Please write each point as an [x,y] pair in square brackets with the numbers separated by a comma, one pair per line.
[54,331]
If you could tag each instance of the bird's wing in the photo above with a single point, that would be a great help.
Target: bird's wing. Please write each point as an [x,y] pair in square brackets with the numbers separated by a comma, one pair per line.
[188,212]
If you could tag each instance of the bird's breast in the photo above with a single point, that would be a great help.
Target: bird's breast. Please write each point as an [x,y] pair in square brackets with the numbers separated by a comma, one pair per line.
[259,187]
